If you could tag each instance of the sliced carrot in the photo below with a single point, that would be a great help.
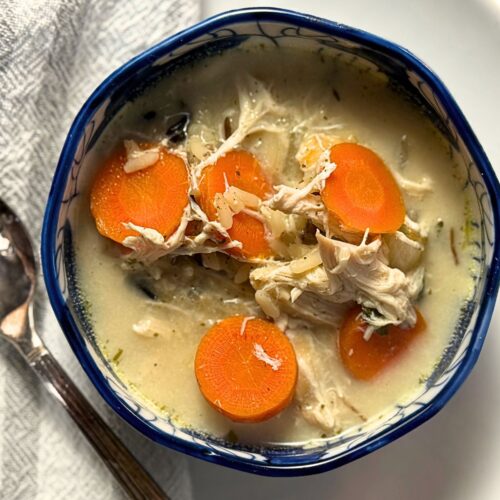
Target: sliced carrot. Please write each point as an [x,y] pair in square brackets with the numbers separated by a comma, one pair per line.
[242,170]
[361,192]
[246,369]
[154,197]
[365,359]
[252,235]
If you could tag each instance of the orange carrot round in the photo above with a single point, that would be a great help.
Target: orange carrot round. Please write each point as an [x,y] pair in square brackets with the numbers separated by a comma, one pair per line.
[154,197]
[361,192]
[242,170]
[246,369]
[252,235]
[365,359]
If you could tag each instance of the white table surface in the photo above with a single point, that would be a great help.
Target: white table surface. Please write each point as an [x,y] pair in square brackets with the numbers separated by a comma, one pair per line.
[456,455]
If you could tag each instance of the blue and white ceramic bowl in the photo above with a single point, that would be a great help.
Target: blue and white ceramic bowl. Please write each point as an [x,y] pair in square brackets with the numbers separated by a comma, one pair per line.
[281,28]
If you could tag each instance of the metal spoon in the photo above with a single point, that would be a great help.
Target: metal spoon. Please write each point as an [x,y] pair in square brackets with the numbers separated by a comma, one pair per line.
[17,287]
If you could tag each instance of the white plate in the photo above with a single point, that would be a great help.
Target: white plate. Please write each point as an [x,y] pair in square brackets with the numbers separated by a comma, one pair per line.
[456,455]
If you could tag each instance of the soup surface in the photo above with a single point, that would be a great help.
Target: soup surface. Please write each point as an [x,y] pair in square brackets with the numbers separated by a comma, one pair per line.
[292,113]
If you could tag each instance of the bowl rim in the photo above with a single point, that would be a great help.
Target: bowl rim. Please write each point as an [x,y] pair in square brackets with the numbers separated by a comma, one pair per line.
[73,335]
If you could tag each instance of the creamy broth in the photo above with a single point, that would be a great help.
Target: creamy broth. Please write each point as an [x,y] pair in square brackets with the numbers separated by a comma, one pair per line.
[333,98]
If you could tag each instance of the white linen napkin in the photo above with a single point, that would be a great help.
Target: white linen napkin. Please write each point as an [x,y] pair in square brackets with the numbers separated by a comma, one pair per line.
[53,53]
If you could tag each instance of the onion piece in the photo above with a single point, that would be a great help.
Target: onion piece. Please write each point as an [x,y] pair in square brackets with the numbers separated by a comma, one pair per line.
[137,158]
[267,304]
[224,213]
[306,263]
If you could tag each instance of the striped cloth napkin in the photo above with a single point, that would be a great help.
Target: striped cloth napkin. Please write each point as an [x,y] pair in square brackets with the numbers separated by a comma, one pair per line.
[53,53]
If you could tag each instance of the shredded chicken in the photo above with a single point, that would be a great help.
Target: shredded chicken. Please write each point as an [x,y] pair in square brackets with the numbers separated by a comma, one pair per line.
[284,233]
[150,245]
[404,252]
[413,188]
[318,309]
[259,112]
[361,273]
[319,397]
[246,319]
[137,158]
[304,200]
[296,274]
[339,273]
[262,355]
[232,202]
[416,279]
[300,287]
[310,150]
[317,400]
[419,230]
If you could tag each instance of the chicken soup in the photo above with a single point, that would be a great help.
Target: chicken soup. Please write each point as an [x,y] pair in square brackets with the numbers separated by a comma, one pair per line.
[275,246]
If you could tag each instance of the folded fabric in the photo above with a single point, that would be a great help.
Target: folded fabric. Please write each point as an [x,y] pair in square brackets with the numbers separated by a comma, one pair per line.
[53,53]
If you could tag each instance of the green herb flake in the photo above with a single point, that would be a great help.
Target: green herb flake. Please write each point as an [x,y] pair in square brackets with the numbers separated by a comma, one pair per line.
[453,247]
[383,331]
[118,355]
[231,437]
[369,315]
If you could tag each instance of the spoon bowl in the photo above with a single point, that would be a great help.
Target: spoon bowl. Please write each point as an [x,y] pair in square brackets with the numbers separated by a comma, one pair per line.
[17,279]
[17,288]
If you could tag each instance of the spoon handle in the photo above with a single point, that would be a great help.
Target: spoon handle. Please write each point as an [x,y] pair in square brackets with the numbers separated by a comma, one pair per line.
[130,474]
